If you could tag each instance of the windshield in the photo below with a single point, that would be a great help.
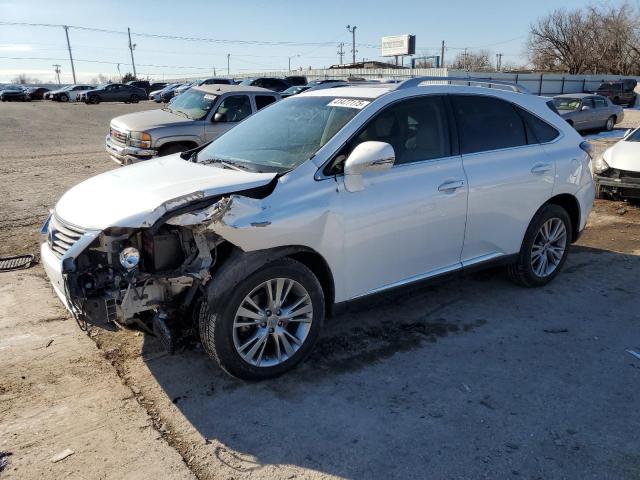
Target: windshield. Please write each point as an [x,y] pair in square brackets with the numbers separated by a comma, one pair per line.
[634,137]
[193,104]
[610,86]
[284,135]
[247,81]
[566,103]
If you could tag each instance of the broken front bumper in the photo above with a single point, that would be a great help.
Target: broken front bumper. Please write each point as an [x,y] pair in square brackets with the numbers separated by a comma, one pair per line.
[126,155]
[622,184]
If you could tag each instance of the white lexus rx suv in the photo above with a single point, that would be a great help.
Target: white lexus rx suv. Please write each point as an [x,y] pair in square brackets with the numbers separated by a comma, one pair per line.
[320,199]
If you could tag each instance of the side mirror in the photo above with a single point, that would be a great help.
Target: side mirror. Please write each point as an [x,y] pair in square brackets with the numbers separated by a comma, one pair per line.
[219,117]
[367,157]
[628,132]
[585,107]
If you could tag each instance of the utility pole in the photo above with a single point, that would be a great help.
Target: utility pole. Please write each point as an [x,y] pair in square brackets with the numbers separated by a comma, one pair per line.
[465,60]
[498,61]
[341,51]
[56,68]
[228,67]
[292,56]
[352,30]
[73,70]
[131,49]
[442,55]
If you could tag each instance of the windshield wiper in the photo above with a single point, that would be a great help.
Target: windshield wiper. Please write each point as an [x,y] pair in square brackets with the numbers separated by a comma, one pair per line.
[227,163]
[181,113]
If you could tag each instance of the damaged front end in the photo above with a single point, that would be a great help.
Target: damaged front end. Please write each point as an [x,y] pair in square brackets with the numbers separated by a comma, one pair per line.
[618,184]
[137,275]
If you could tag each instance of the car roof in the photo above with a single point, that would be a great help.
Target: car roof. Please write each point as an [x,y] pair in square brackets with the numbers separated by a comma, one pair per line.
[219,89]
[359,91]
[576,95]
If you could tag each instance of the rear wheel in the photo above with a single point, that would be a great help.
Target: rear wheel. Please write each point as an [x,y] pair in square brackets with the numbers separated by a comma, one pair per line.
[64,97]
[267,323]
[544,248]
[611,122]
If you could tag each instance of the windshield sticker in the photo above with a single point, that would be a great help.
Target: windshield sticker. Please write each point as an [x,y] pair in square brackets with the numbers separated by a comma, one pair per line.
[348,103]
[209,97]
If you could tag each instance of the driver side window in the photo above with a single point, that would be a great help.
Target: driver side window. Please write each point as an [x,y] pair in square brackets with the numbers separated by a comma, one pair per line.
[233,109]
[416,128]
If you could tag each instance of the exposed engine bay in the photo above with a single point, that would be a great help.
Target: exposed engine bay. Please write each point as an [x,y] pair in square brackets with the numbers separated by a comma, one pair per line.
[159,272]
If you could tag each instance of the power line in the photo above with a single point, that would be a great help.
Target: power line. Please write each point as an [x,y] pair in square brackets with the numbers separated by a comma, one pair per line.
[183,38]
[105,62]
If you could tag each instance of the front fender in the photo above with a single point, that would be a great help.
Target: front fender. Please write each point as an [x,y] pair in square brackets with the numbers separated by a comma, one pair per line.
[164,140]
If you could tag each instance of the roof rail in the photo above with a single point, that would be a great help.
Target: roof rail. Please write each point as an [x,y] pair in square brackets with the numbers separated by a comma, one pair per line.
[414,82]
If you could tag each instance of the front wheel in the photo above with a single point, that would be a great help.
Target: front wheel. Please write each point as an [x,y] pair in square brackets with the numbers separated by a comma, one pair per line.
[544,248]
[64,97]
[134,99]
[267,323]
[94,99]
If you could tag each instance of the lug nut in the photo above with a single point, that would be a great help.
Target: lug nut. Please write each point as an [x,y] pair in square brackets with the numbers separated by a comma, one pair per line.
[271,330]
[279,324]
[268,312]
[279,312]
[263,324]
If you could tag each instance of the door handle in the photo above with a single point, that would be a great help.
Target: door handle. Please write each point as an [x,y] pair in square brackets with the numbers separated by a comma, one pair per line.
[541,168]
[450,186]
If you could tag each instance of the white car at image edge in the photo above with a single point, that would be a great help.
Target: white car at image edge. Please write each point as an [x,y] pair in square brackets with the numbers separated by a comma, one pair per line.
[617,170]
[317,200]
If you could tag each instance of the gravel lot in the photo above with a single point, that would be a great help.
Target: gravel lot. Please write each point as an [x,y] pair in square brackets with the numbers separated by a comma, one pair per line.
[470,378]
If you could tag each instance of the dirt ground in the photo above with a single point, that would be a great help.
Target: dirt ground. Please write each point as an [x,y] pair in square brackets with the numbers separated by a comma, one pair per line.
[469,378]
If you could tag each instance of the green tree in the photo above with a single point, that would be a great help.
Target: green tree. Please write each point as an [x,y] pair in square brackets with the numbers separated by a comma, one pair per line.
[128,77]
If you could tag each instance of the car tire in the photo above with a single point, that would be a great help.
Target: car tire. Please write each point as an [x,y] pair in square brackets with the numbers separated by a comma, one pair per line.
[64,97]
[262,345]
[544,249]
[95,99]
[611,122]
[134,99]
[173,148]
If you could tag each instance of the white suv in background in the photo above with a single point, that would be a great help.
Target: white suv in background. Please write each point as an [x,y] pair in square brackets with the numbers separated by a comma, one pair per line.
[319,199]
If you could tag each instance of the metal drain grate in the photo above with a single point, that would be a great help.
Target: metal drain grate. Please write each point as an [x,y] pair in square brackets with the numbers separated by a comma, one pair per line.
[16,263]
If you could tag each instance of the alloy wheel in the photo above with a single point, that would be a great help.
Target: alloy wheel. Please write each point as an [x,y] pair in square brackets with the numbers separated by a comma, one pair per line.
[272,322]
[548,247]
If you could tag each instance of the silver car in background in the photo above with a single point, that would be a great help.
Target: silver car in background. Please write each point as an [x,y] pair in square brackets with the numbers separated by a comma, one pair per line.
[585,111]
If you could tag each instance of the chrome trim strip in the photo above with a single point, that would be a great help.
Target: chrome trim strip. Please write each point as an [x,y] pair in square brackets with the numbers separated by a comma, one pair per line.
[414,278]
[481,259]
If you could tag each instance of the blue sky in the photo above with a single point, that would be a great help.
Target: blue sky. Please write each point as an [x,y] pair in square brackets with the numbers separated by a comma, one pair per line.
[497,25]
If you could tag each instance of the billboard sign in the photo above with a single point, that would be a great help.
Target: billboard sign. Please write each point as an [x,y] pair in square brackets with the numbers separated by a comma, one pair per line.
[398,45]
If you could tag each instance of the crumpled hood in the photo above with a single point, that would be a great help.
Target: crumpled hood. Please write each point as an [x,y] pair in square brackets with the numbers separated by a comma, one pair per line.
[624,156]
[143,121]
[137,195]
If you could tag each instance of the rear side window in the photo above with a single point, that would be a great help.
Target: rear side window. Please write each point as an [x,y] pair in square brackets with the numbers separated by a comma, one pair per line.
[486,123]
[600,102]
[538,131]
[264,100]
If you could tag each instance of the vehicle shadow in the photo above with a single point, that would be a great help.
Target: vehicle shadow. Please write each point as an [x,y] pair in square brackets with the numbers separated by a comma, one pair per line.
[413,380]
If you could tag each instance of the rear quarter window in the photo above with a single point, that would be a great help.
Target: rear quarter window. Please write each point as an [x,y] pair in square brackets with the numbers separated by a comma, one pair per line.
[538,131]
